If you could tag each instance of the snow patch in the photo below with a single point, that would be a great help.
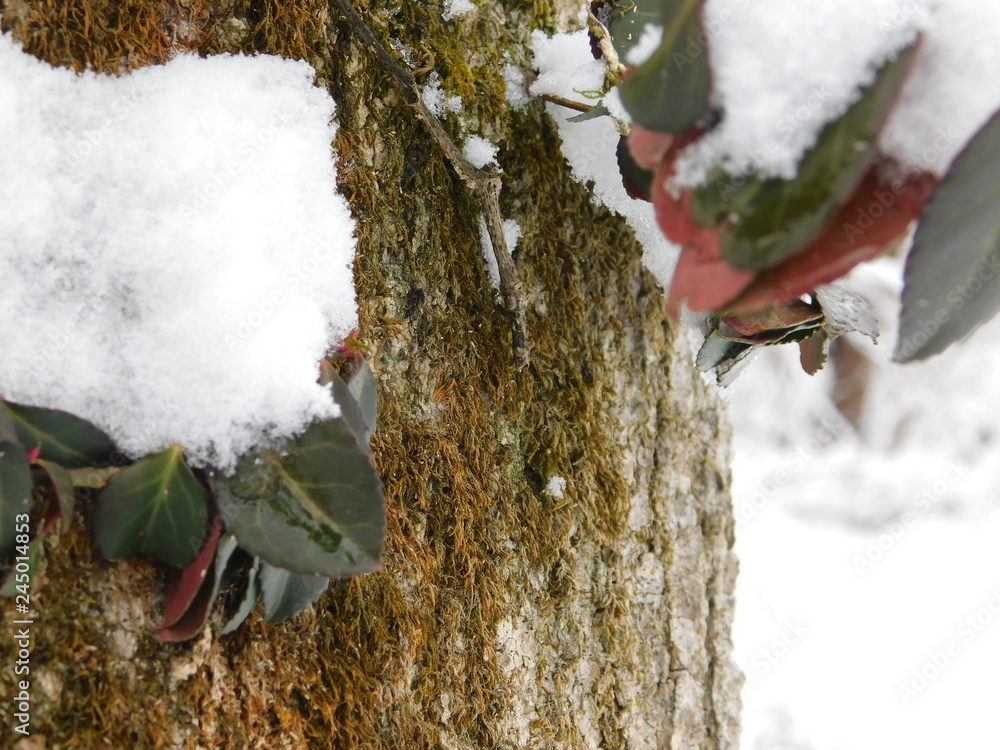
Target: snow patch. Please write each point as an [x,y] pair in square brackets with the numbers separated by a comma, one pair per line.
[479,151]
[556,487]
[512,235]
[437,100]
[175,259]
[455,8]
[566,67]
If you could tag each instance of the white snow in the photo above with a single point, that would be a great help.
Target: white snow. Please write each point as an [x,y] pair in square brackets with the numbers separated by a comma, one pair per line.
[784,68]
[567,67]
[175,259]
[511,234]
[556,487]
[479,151]
[649,42]
[455,8]
[881,543]
[437,100]
[513,78]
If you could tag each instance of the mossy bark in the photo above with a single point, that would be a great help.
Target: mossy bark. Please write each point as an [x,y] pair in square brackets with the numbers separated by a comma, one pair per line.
[504,617]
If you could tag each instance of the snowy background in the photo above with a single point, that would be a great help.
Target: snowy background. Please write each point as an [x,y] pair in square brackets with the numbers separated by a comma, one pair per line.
[867,553]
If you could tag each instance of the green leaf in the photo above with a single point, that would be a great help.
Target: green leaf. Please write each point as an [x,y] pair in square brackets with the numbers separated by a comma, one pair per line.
[598,110]
[15,496]
[8,433]
[669,93]
[952,277]
[64,439]
[364,388]
[766,221]
[250,595]
[718,349]
[286,594]
[62,486]
[156,507]
[350,412]
[627,22]
[315,507]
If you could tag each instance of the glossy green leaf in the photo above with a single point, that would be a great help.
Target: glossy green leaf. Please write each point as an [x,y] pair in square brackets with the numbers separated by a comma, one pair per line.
[670,92]
[63,438]
[952,277]
[314,507]
[286,594]
[156,507]
[15,495]
[62,487]
[250,595]
[766,221]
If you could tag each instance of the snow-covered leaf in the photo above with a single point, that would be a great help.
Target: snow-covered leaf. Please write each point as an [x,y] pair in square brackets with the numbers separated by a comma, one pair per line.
[156,507]
[286,594]
[314,507]
[876,216]
[766,221]
[62,438]
[669,93]
[952,284]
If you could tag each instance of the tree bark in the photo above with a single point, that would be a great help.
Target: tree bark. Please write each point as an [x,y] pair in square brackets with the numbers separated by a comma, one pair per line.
[504,617]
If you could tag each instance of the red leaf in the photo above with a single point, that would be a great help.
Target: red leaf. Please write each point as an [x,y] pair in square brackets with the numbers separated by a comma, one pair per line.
[792,314]
[195,577]
[874,217]
[648,147]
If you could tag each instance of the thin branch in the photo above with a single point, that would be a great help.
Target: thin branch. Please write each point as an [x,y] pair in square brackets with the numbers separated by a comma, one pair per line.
[568,103]
[485,185]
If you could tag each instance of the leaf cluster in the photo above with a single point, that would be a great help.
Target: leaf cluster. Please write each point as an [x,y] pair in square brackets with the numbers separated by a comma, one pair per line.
[287,520]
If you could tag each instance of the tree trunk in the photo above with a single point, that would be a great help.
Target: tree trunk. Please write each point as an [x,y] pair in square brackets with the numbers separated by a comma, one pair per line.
[504,617]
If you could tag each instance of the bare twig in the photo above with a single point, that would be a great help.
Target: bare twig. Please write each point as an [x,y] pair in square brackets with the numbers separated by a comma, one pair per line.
[568,103]
[485,185]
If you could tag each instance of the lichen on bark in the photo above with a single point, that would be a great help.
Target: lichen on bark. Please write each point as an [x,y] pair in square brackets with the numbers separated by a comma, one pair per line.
[504,617]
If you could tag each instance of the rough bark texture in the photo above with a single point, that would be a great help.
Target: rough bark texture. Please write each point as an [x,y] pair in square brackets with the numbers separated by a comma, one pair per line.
[504,617]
